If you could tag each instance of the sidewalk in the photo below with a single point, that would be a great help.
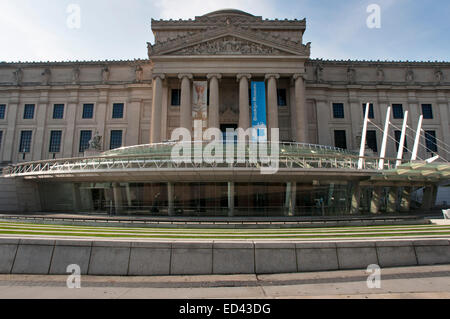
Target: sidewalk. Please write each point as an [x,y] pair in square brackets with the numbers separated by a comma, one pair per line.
[406,282]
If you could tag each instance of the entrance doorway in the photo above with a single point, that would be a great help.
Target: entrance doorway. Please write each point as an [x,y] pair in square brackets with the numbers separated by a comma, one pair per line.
[229,137]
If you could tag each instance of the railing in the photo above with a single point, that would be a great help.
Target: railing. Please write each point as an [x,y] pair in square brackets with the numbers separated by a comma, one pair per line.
[291,156]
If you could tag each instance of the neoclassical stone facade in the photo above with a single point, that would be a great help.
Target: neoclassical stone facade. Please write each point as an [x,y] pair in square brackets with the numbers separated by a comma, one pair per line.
[146,100]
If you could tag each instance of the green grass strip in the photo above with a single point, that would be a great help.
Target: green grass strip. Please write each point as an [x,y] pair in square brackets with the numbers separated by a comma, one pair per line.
[78,234]
[261,233]
[230,231]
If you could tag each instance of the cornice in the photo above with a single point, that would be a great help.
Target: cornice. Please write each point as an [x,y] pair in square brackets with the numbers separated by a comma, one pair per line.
[73,63]
[205,21]
[314,62]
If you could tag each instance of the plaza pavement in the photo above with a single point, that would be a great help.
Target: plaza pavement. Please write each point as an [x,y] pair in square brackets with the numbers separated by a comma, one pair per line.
[406,283]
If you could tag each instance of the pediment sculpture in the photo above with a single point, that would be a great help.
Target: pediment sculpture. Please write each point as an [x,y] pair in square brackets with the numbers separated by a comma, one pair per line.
[229,40]
[229,45]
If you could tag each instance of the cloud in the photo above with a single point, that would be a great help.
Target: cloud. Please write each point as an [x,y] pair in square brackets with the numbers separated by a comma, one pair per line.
[25,38]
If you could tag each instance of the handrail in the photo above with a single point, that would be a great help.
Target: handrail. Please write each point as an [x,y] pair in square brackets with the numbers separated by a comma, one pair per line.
[287,157]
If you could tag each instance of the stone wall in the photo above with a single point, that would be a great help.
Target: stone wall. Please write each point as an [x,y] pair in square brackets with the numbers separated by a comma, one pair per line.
[17,195]
[118,258]
[355,83]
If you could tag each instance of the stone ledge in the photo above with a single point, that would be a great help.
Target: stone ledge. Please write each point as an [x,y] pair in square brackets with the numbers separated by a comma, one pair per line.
[33,256]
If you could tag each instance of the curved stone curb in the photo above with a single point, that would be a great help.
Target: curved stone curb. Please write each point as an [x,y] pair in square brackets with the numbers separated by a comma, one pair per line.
[122,258]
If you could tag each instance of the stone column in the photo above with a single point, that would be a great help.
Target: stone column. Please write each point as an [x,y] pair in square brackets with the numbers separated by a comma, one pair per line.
[356,198]
[131,136]
[40,151]
[164,111]
[170,199]
[376,200]
[76,197]
[186,102]
[230,199]
[128,192]
[10,132]
[100,111]
[406,199]
[429,197]
[323,120]
[392,200]
[213,113]
[301,110]
[117,191]
[293,111]
[155,129]
[244,114]
[444,106]
[291,192]
[272,102]
[69,149]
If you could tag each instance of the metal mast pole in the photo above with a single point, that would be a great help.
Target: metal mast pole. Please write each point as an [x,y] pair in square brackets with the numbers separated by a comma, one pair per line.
[402,141]
[385,136]
[363,137]
[416,142]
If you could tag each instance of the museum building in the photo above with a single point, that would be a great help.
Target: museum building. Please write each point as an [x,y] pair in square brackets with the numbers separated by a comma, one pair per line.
[96,136]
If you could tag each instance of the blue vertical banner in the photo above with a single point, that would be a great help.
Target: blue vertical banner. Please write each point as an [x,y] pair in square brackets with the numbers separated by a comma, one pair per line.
[259,118]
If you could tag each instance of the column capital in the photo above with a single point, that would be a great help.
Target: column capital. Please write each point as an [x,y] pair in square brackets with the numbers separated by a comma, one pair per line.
[218,76]
[297,76]
[243,75]
[185,75]
[272,75]
[158,75]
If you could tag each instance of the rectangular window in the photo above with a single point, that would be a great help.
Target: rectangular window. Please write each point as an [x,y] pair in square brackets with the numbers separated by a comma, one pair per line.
[427,111]
[372,141]
[371,113]
[338,110]
[116,139]
[1,139]
[398,136]
[281,96]
[55,142]
[117,111]
[175,97]
[340,139]
[58,111]
[397,111]
[85,137]
[25,141]
[2,111]
[431,142]
[28,112]
[88,111]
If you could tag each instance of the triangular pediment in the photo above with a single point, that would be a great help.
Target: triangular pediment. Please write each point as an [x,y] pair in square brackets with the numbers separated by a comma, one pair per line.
[229,41]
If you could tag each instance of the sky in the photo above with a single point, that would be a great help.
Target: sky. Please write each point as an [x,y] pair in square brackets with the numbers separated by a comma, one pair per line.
[49,30]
